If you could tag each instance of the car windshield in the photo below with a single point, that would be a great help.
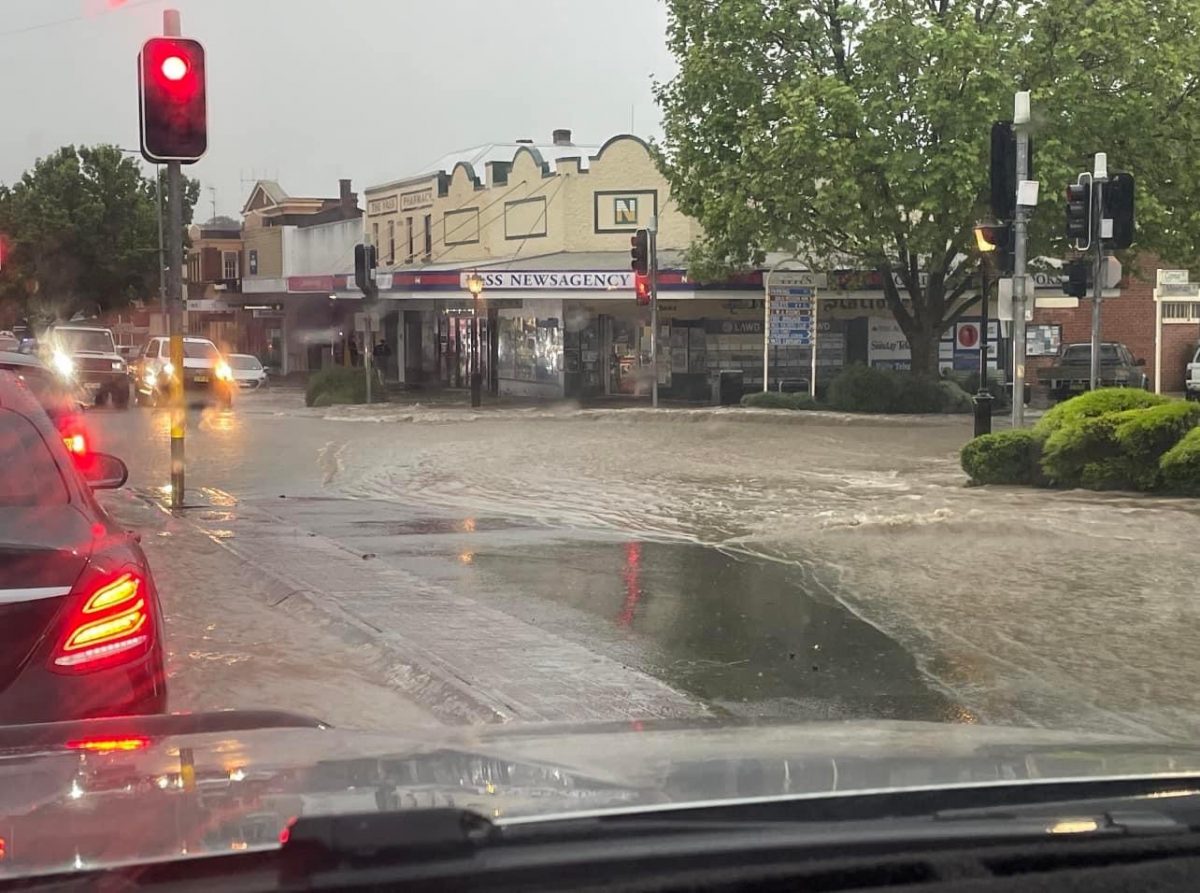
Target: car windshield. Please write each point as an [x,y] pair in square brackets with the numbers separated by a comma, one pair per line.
[698,391]
[90,340]
[200,350]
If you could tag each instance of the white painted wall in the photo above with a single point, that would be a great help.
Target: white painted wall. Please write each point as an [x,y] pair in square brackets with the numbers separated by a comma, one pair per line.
[321,250]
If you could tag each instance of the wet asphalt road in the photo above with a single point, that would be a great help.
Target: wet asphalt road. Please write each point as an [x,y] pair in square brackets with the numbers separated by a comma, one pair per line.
[763,565]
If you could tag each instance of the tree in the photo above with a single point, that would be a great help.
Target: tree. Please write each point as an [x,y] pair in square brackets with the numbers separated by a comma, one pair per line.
[82,233]
[858,132]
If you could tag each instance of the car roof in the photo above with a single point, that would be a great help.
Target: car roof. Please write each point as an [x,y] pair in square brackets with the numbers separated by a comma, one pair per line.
[77,328]
[14,358]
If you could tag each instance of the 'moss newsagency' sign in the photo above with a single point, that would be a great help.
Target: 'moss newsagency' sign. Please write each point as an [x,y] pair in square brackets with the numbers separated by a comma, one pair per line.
[500,280]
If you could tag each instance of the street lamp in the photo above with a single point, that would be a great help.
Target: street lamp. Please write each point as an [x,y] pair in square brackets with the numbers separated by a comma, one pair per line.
[475,287]
[987,240]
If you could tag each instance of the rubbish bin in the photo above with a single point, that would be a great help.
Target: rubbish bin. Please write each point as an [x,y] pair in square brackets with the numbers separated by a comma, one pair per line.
[727,387]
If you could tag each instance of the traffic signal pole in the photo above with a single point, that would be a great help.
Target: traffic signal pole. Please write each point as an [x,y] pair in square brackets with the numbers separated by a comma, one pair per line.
[172,28]
[652,230]
[1097,197]
[1020,280]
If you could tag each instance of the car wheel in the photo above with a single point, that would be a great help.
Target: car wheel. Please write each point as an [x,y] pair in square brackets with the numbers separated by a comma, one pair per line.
[120,397]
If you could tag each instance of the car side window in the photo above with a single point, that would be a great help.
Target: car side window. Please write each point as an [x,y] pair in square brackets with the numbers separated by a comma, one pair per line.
[29,475]
[152,350]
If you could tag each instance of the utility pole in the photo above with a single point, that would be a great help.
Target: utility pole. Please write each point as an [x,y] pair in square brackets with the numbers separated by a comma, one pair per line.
[1021,120]
[172,28]
[162,260]
[652,229]
[1099,176]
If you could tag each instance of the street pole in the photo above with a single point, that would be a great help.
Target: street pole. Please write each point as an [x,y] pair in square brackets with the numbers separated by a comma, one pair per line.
[1020,235]
[476,376]
[652,244]
[174,236]
[368,350]
[1097,199]
[162,261]
[983,397]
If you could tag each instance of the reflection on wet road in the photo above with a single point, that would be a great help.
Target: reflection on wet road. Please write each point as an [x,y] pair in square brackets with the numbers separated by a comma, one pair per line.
[815,567]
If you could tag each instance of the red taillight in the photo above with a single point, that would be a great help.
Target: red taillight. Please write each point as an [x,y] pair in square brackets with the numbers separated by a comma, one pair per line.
[113,625]
[108,745]
[76,444]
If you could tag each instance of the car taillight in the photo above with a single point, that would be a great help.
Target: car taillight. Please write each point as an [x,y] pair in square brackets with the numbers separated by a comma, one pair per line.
[113,625]
[76,444]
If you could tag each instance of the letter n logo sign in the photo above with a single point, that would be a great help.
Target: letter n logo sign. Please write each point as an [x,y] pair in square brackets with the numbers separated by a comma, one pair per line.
[625,211]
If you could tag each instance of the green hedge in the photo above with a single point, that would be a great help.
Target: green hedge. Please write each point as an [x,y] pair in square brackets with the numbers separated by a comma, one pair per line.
[336,384]
[860,388]
[1006,457]
[776,400]
[1180,465]
[1145,435]
[1095,403]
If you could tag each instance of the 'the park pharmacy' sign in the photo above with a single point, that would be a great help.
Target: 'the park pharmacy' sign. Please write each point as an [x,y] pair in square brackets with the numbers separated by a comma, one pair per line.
[575,280]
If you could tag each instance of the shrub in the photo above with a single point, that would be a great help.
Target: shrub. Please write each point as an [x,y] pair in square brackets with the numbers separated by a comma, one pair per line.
[1095,403]
[1006,457]
[1180,465]
[969,382]
[955,398]
[1144,435]
[860,388]
[337,384]
[1084,447]
[776,400]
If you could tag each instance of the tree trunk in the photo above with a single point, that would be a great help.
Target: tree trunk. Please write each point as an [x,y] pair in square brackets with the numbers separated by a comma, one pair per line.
[923,342]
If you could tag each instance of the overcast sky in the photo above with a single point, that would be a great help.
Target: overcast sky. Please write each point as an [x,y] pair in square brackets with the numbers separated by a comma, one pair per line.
[307,91]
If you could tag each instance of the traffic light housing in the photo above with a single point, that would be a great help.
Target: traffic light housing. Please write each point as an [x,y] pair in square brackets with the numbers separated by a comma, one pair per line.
[995,240]
[639,244]
[1118,205]
[1079,278]
[1079,213]
[365,262]
[641,286]
[1003,170]
[173,100]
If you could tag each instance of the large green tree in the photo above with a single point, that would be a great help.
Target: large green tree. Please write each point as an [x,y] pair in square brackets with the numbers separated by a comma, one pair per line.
[82,234]
[857,132]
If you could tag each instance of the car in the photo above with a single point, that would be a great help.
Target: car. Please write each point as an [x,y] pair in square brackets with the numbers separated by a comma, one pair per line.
[88,355]
[206,374]
[248,372]
[59,398]
[9,340]
[1071,374]
[80,617]
[1191,381]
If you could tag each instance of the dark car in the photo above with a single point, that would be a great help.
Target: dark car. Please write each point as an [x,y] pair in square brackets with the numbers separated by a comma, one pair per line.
[59,397]
[80,621]
[1071,373]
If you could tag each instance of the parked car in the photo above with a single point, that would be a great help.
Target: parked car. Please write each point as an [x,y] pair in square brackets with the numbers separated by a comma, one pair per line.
[1072,372]
[1191,381]
[60,398]
[88,355]
[80,619]
[248,372]
[206,374]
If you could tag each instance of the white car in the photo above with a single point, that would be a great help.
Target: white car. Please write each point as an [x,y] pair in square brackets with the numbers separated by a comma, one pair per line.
[1191,384]
[248,372]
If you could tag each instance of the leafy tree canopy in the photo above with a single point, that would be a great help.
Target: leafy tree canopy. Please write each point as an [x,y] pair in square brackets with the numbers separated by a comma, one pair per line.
[858,132]
[82,233]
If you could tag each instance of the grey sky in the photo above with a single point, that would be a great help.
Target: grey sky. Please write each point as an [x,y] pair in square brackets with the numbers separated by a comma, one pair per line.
[314,90]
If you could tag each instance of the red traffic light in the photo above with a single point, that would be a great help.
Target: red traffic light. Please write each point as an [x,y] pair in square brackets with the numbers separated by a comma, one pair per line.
[173,100]
[641,287]
[639,251]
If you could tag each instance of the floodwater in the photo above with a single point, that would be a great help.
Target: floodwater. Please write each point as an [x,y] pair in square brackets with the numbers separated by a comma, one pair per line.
[771,564]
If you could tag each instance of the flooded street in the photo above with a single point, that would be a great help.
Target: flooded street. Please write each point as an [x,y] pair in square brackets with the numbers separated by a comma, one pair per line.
[760,564]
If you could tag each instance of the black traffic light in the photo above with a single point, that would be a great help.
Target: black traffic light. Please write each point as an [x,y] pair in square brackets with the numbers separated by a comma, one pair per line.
[995,241]
[1079,278]
[364,265]
[1118,205]
[1003,170]
[173,101]
[1079,213]
[640,251]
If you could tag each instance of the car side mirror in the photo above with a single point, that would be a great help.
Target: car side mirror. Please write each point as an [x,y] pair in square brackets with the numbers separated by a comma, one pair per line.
[102,471]
[1140,361]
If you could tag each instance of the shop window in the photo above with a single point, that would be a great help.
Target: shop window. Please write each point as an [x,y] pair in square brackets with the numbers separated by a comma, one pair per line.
[229,265]
[253,261]
[428,236]
[410,240]
[391,256]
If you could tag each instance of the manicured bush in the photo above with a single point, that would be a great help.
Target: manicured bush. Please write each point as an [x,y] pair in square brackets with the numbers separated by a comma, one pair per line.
[337,384]
[776,400]
[1095,403]
[1083,446]
[1144,435]
[1006,457]
[1180,465]
[955,399]
[860,388]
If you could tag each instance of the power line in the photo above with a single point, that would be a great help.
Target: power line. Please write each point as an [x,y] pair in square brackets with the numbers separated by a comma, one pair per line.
[134,4]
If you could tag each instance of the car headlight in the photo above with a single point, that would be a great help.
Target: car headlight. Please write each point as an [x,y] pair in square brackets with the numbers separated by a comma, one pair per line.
[168,369]
[118,366]
[63,364]
[223,372]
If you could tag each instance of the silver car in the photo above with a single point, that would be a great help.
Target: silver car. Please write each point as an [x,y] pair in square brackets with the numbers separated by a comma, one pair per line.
[248,372]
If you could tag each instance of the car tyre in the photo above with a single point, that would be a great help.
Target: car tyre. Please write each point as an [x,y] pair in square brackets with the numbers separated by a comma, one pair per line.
[120,397]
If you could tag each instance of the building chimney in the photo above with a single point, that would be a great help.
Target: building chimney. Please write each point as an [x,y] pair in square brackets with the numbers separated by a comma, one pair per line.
[562,138]
[347,197]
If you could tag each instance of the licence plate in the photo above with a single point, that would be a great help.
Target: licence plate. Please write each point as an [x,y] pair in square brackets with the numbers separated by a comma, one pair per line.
[201,379]
[91,386]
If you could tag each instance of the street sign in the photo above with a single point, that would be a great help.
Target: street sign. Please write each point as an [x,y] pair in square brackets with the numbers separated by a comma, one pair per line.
[968,335]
